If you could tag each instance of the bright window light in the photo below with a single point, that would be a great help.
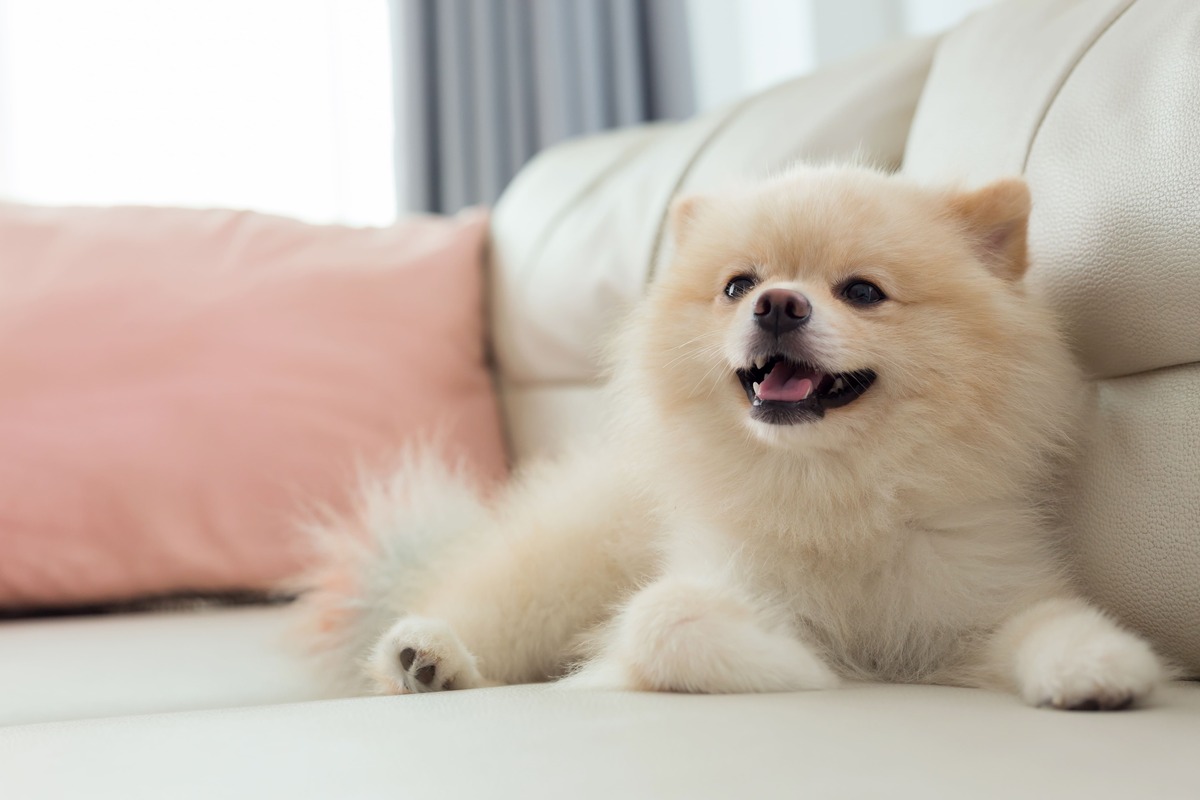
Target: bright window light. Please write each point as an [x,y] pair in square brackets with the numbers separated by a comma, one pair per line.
[282,106]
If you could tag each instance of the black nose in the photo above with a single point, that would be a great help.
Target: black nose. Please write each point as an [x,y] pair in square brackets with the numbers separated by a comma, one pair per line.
[779,311]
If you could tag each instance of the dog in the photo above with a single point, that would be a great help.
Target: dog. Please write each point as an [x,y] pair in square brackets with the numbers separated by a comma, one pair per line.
[833,422]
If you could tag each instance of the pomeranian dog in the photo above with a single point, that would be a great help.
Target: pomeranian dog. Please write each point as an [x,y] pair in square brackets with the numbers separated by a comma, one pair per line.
[835,417]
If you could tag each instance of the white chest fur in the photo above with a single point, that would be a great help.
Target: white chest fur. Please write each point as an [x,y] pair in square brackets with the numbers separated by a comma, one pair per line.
[897,603]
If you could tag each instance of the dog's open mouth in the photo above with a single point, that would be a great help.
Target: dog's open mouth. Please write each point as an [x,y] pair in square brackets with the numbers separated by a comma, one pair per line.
[785,392]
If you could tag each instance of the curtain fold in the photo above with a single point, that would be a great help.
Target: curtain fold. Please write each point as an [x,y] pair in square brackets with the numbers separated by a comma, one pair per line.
[482,85]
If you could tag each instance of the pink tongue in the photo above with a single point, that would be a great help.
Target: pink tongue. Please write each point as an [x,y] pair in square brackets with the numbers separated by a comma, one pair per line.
[786,384]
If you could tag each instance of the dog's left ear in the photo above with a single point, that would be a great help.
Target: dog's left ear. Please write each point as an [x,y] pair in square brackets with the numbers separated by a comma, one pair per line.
[682,214]
[997,218]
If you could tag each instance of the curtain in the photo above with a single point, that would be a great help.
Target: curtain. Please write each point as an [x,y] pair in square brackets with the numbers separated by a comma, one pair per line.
[482,85]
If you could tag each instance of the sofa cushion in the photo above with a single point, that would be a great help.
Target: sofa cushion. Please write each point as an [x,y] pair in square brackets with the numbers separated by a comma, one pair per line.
[111,665]
[1098,103]
[550,742]
[181,387]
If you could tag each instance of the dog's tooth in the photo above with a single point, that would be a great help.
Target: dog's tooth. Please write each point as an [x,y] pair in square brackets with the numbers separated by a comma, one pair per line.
[838,385]
[758,363]
[755,386]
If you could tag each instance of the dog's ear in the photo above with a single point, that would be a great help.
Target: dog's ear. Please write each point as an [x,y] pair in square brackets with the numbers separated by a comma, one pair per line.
[682,214]
[996,217]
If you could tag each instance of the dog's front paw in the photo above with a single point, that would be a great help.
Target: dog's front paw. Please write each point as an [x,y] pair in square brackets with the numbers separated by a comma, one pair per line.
[683,637]
[422,655]
[1083,662]
[1100,675]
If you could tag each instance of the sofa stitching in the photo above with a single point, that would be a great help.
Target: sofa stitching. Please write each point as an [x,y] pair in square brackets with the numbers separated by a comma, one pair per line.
[1066,77]
[1139,373]
[1058,89]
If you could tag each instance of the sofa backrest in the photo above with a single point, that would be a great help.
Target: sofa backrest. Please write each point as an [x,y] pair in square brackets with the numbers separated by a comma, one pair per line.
[1097,102]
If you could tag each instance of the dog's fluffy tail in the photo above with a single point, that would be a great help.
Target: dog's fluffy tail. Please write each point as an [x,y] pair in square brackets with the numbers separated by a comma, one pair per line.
[373,560]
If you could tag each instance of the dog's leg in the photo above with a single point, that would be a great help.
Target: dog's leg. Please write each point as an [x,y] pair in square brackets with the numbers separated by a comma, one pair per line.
[688,636]
[511,608]
[1066,654]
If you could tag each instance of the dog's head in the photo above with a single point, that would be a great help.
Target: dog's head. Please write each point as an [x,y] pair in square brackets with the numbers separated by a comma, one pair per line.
[837,307]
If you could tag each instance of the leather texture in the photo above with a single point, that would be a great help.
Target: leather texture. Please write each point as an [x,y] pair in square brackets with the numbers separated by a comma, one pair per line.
[1098,103]
[1133,507]
[1116,173]
[993,79]
[576,236]
[549,742]
[70,668]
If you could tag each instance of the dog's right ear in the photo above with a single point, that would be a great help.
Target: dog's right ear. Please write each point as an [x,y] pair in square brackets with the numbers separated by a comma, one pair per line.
[683,213]
[997,218]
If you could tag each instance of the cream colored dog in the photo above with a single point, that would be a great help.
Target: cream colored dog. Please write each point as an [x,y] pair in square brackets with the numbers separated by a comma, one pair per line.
[834,418]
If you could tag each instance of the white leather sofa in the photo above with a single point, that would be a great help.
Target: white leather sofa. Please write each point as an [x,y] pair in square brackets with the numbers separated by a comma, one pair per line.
[1097,102]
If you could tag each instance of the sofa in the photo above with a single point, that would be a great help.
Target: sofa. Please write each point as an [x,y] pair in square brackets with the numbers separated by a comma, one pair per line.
[1097,103]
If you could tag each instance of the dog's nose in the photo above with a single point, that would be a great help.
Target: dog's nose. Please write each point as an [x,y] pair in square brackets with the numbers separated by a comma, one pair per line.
[779,311]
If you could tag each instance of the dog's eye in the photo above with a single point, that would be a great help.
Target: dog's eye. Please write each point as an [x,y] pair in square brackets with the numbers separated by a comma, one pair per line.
[861,293]
[739,286]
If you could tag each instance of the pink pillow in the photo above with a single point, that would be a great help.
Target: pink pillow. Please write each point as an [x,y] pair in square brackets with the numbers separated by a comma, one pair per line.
[177,387]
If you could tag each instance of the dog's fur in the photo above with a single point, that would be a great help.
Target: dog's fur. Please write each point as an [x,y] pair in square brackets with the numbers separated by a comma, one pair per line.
[699,546]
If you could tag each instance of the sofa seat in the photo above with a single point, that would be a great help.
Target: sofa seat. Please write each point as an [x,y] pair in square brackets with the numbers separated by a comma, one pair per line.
[108,665]
[553,742]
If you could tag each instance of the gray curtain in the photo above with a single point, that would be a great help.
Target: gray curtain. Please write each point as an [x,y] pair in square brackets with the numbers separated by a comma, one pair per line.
[482,85]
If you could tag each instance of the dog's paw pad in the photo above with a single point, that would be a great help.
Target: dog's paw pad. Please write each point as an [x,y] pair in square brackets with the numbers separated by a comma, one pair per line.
[421,655]
[1101,700]
[1114,703]
[419,670]
[426,674]
[407,656]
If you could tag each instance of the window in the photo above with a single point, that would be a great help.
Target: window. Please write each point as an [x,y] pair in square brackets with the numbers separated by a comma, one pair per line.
[282,106]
